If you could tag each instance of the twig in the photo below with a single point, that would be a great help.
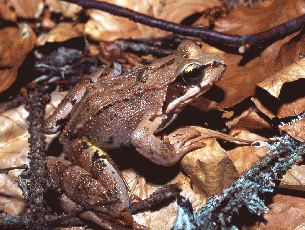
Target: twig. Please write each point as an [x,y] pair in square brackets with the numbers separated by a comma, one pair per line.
[243,43]
[33,191]
[248,191]
[37,170]
[161,194]
[7,170]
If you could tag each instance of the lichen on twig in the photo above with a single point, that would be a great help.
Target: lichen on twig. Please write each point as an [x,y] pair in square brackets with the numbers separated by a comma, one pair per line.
[248,191]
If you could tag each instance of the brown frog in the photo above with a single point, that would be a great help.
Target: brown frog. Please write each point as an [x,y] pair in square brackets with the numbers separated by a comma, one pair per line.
[129,109]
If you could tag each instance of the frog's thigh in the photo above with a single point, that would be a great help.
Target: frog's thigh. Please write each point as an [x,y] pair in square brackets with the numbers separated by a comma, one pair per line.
[147,144]
[100,166]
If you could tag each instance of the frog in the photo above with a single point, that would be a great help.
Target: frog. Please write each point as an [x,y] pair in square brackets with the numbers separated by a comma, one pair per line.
[113,110]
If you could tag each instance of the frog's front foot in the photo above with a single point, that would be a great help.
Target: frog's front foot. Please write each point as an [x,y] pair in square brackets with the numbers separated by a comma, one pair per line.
[171,148]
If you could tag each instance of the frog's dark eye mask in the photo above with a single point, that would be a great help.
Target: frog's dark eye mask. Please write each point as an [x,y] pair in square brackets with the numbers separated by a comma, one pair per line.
[192,80]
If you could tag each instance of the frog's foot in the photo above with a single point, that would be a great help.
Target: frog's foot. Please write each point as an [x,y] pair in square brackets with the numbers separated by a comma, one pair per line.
[166,151]
[185,140]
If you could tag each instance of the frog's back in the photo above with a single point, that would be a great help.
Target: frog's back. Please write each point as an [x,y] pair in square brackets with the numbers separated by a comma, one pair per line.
[109,113]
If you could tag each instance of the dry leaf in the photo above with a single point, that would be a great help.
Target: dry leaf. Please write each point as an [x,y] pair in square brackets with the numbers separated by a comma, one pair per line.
[61,7]
[244,157]
[290,52]
[248,120]
[11,9]
[209,168]
[7,13]
[16,43]
[294,178]
[286,213]
[7,78]
[291,73]
[62,32]
[290,104]
[239,81]
[103,26]
[165,217]
[14,150]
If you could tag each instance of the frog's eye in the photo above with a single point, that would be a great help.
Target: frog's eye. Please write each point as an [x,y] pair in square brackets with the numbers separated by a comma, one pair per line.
[191,74]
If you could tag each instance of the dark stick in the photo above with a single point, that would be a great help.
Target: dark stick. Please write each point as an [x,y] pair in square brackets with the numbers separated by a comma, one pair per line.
[37,171]
[169,191]
[7,170]
[245,42]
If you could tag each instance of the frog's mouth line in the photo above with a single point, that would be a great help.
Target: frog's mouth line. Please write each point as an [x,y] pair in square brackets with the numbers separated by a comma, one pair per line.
[190,95]
[210,75]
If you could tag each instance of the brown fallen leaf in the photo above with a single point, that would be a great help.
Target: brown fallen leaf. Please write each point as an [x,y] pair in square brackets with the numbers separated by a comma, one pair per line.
[210,168]
[294,178]
[286,213]
[244,157]
[248,120]
[165,217]
[14,150]
[291,73]
[283,107]
[241,76]
[62,32]
[290,52]
[67,9]
[11,9]
[15,44]
[103,26]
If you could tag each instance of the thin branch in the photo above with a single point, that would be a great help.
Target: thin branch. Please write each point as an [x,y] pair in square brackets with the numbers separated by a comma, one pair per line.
[244,43]
[248,191]
[37,170]
[158,196]
[7,170]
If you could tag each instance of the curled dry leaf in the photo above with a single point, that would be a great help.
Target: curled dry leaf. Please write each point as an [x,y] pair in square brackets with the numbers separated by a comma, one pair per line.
[296,130]
[290,52]
[209,168]
[294,178]
[16,43]
[103,26]
[67,9]
[11,9]
[245,127]
[248,120]
[274,86]
[291,73]
[62,32]
[241,76]
[13,50]
[165,217]
[244,157]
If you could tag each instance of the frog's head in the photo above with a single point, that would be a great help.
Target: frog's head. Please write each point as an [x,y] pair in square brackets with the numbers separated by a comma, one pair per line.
[196,73]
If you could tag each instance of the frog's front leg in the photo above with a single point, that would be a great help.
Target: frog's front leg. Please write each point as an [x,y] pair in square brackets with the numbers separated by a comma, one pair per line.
[55,120]
[162,151]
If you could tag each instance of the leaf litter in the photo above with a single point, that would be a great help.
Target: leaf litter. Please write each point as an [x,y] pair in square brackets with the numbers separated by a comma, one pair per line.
[255,91]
